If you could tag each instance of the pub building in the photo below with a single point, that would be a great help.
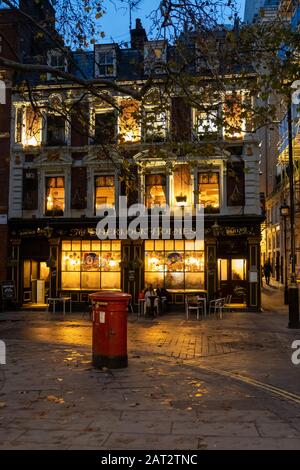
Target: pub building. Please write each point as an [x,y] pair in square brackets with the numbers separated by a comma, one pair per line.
[53,255]
[59,178]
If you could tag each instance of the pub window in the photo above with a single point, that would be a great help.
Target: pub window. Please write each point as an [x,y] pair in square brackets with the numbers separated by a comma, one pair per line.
[235,184]
[104,191]
[206,124]
[105,63]
[155,190]
[223,269]
[30,189]
[19,125]
[209,191]
[56,130]
[91,265]
[233,126]
[155,56]
[129,121]
[33,127]
[105,128]
[238,269]
[155,126]
[55,195]
[57,60]
[182,185]
[174,264]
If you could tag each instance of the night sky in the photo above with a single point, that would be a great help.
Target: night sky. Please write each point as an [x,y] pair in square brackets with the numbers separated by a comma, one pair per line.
[115,24]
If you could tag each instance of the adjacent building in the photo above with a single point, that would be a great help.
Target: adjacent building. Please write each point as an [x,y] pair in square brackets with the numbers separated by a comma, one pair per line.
[276,178]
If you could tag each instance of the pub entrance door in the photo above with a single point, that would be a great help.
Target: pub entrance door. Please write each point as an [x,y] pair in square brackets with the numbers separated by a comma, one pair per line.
[232,275]
[35,281]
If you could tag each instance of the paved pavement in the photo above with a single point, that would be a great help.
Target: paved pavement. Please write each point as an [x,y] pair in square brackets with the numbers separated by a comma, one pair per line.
[212,384]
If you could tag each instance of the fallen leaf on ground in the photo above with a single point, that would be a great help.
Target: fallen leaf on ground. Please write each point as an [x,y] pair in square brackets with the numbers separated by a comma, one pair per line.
[55,399]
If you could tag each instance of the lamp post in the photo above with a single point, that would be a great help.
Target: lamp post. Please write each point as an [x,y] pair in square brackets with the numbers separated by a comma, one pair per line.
[293,287]
[285,212]
[216,229]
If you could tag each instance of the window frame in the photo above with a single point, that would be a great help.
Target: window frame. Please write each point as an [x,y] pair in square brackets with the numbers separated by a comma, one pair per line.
[214,171]
[54,212]
[106,175]
[57,143]
[55,53]
[148,135]
[105,51]
[156,173]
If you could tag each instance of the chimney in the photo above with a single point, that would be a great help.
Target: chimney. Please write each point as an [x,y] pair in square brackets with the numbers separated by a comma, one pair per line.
[138,36]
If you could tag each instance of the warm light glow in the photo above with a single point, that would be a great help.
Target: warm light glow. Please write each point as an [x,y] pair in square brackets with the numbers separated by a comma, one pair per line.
[233,117]
[155,188]
[238,267]
[129,128]
[91,265]
[209,191]
[182,186]
[32,142]
[55,193]
[33,128]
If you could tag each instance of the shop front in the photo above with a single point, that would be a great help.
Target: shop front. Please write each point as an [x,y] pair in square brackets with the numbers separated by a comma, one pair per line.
[60,260]
[64,259]
[225,264]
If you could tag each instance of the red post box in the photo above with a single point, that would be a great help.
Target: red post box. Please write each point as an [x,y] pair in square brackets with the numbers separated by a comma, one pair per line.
[110,329]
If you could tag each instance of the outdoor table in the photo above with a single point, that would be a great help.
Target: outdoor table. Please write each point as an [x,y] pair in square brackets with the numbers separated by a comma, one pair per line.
[59,299]
[202,293]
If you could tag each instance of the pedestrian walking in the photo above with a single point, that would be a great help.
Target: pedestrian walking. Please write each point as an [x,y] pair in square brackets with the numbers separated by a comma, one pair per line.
[268,271]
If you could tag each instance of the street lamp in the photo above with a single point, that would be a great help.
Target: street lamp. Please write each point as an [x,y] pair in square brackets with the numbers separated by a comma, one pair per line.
[293,287]
[216,229]
[285,212]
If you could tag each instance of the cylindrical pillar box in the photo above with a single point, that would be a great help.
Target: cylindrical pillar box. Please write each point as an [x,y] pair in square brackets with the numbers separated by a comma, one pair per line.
[110,329]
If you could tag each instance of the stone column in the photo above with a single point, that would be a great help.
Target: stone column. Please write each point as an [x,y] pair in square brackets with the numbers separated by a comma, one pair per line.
[54,266]
[254,274]
[211,267]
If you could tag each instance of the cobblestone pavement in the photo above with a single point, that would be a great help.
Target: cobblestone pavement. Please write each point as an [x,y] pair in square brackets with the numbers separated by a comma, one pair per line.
[209,384]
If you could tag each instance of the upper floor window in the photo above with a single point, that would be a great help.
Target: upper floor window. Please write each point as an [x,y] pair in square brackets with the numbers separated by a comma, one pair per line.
[155,190]
[206,123]
[129,121]
[105,61]
[105,127]
[56,130]
[182,185]
[57,60]
[209,191]
[233,121]
[155,126]
[28,126]
[104,192]
[55,195]
[19,125]
[155,56]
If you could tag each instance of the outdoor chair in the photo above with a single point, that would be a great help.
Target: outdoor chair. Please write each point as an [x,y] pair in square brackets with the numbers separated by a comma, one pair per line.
[141,307]
[192,305]
[227,304]
[217,307]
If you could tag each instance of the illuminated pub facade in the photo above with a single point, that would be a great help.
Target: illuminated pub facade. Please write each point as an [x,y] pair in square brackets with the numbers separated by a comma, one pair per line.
[59,178]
